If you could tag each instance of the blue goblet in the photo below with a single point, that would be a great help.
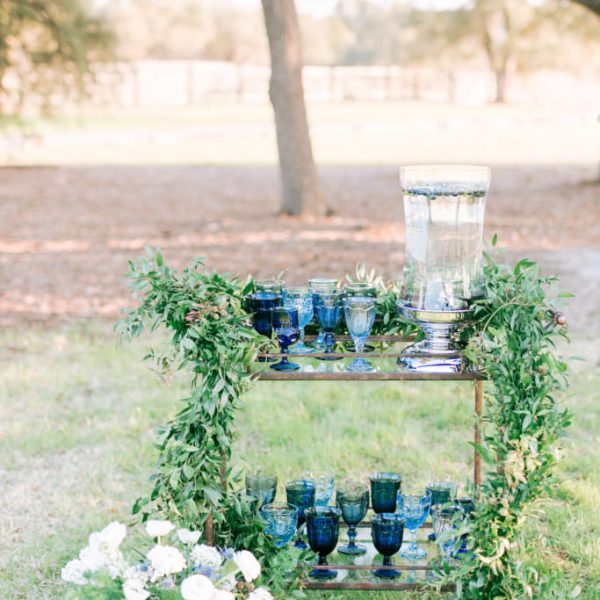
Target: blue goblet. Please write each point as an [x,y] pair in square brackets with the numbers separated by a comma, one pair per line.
[384,491]
[387,530]
[468,507]
[301,494]
[354,504]
[328,310]
[323,531]
[442,492]
[301,299]
[259,304]
[285,326]
[324,285]
[414,507]
[360,316]
[279,522]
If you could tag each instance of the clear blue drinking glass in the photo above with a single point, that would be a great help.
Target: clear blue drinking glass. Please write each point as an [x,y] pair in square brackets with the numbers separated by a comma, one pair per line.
[301,299]
[328,310]
[360,316]
[442,492]
[279,522]
[301,494]
[324,484]
[261,487]
[324,285]
[467,505]
[414,507]
[285,326]
[384,491]
[387,530]
[323,531]
[353,501]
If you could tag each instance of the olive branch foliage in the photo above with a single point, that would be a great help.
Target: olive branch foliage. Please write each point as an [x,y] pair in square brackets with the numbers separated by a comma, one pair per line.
[512,337]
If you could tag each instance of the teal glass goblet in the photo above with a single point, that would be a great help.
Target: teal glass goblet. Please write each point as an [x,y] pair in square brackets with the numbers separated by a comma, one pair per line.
[301,494]
[442,492]
[279,522]
[285,326]
[261,487]
[301,299]
[323,531]
[360,316]
[387,530]
[324,484]
[353,501]
[384,491]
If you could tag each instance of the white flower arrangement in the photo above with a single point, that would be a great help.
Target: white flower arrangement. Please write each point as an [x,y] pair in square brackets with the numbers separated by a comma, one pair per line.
[198,571]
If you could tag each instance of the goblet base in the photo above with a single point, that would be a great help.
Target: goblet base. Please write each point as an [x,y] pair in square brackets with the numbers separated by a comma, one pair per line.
[323,574]
[412,552]
[301,348]
[387,573]
[352,550]
[285,366]
[359,365]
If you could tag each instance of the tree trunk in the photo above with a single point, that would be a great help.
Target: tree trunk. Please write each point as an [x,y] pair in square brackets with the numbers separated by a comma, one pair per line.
[593,5]
[500,94]
[300,183]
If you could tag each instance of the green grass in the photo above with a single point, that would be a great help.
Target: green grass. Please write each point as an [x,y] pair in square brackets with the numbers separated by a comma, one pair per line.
[77,412]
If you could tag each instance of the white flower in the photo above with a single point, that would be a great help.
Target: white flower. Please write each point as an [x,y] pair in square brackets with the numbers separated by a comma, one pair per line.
[260,593]
[207,556]
[197,587]
[74,572]
[188,537]
[137,572]
[111,536]
[92,557]
[133,589]
[159,528]
[247,564]
[222,595]
[165,560]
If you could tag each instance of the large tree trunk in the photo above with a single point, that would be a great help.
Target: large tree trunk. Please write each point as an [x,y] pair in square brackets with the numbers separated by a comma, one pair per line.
[300,183]
[593,5]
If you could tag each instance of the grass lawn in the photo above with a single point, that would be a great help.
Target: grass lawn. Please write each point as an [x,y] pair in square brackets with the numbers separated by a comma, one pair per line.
[77,412]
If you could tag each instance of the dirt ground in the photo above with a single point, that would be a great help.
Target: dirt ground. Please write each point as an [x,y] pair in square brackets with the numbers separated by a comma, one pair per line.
[66,233]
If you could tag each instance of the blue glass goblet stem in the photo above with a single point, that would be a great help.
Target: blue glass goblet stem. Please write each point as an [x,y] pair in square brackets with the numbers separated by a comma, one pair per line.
[323,529]
[387,530]
[354,504]
[300,493]
[328,310]
[414,508]
[360,316]
[285,325]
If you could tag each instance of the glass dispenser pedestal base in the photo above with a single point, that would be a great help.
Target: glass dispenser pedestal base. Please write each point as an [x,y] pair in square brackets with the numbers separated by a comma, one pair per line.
[437,353]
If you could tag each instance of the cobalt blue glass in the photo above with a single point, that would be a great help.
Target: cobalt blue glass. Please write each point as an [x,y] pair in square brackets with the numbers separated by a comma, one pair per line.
[414,507]
[468,506]
[285,326]
[328,310]
[301,299]
[301,494]
[323,531]
[279,522]
[261,487]
[360,316]
[259,304]
[387,530]
[354,504]
[384,491]
[326,285]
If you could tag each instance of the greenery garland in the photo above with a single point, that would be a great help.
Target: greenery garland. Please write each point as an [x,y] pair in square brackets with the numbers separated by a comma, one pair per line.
[512,338]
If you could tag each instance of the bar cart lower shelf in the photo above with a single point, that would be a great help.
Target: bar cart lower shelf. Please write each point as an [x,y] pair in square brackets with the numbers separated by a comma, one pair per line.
[355,573]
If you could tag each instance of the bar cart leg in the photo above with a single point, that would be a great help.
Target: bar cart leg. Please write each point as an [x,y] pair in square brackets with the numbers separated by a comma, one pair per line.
[477,431]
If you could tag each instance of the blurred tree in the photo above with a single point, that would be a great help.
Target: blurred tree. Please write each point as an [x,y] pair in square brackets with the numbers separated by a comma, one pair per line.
[300,183]
[47,50]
